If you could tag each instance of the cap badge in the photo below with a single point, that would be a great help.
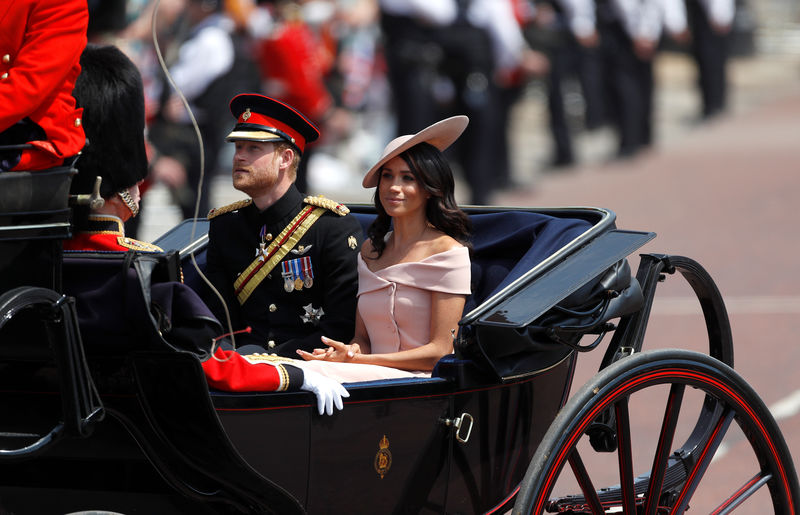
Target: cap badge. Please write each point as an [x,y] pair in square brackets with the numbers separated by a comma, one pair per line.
[246,115]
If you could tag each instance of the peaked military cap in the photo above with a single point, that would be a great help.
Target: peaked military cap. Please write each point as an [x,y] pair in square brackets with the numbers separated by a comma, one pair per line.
[261,118]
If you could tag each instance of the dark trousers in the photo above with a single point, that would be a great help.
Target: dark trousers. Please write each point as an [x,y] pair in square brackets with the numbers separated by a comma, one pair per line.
[710,51]
[570,59]
[629,84]
[562,61]
[420,61]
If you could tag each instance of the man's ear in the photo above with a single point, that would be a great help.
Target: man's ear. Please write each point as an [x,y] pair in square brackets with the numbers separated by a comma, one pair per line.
[286,158]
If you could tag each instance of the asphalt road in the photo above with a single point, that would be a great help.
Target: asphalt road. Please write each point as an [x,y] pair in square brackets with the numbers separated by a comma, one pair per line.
[724,194]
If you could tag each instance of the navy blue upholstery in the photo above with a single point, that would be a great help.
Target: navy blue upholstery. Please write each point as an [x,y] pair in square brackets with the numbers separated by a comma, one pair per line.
[128,300]
[505,245]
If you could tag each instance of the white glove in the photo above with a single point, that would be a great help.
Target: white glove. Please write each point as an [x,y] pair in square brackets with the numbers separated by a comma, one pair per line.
[328,391]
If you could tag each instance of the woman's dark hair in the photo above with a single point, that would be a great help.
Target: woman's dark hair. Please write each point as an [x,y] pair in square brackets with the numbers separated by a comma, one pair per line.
[432,172]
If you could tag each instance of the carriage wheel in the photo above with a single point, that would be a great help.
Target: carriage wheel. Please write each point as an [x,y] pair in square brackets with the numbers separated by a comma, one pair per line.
[670,478]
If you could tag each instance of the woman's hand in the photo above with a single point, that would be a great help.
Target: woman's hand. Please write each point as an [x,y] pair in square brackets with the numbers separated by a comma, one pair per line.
[336,351]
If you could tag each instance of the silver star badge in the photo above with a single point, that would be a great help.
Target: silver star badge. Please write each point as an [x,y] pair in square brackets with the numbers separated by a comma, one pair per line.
[261,253]
[312,314]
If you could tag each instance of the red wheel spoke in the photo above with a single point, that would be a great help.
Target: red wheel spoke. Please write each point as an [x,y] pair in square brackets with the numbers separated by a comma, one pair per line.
[704,456]
[661,458]
[683,443]
[589,492]
[742,494]
[625,456]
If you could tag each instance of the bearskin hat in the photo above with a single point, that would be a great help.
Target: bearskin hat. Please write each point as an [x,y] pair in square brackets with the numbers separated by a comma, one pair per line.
[109,89]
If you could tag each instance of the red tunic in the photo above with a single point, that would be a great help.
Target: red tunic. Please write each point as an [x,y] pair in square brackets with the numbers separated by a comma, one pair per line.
[40,47]
[301,86]
[106,232]
[231,372]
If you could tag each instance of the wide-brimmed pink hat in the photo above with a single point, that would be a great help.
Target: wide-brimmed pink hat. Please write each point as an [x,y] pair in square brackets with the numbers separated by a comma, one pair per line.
[441,135]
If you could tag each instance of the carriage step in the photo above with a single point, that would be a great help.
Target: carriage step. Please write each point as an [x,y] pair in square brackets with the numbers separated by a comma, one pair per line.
[611,496]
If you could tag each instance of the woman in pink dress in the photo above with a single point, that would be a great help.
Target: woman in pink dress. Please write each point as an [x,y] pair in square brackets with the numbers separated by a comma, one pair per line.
[414,269]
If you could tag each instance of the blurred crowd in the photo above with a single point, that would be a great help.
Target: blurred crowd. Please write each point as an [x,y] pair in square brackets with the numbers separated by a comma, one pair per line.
[368,70]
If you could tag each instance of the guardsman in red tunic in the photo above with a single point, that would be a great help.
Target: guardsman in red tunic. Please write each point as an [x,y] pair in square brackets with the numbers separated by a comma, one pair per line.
[40,44]
[109,90]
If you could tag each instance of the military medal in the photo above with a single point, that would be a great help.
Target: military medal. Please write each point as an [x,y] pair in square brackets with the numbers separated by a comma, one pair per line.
[312,314]
[261,251]
[298,274]
[292,275]
[288,283]
[308,272]
[288,277]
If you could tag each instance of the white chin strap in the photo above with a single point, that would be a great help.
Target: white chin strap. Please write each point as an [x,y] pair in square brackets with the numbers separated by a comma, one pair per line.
[128,200]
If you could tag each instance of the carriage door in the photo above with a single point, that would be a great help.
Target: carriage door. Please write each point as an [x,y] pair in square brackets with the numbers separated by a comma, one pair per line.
[500,427]
[386,451]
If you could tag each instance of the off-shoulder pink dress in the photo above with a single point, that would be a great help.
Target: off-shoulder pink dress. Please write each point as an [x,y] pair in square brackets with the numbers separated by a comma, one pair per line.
[395,302]
[395,305]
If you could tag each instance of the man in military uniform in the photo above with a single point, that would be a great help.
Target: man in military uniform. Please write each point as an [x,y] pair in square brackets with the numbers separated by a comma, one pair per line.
[284,264]
[109,89]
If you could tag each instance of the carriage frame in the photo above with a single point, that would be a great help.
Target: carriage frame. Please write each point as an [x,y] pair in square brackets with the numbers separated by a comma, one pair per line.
[127,423]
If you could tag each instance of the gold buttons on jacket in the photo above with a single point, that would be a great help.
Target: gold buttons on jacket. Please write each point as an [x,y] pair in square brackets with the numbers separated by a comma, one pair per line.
[273,308]
[77,122]
[268,236]
[4,76]
[7,58]
[271,344]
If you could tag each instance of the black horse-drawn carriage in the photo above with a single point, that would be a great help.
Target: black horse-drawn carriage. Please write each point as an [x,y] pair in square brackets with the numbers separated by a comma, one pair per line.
[122,420]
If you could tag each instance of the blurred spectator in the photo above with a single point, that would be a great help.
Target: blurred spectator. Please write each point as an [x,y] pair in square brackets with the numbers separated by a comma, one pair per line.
[40,48]
[106,18]
[209,63]
[710,24]
[295,60]
[629,35]
[566,31]
[446,57]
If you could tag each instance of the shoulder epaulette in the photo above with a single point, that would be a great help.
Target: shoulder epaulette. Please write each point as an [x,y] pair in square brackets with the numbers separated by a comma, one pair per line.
[329,204]
[239,204]
[132,244]
[267,358]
